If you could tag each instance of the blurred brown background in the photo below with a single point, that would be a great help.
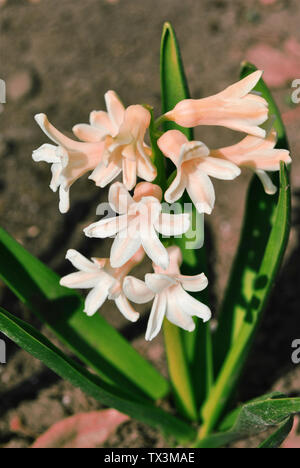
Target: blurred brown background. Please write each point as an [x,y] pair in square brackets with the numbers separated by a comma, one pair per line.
[60,57]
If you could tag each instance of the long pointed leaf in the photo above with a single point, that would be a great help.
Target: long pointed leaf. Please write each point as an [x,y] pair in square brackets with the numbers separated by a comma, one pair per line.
[259,219]
[38,346]
[93,340]
[262,287]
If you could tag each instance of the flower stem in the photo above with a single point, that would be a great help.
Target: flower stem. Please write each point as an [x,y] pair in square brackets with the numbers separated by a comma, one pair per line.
[179,372]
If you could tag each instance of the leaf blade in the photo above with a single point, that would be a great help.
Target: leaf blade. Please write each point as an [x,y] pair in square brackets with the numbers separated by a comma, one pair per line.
[41,348]
[93,340]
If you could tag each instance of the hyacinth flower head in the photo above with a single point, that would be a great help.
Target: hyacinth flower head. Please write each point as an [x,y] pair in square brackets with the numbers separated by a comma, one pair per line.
[169,289]
[70,159]
[123,131]
[195,165]
[140,221]
[235,108]
[104,281]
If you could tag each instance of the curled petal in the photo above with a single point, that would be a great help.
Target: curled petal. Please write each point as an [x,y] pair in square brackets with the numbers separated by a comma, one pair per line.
[104,175]
[102,122]
[129,173]
[193,283]
[107,227]
[177,187]
[170,144]
[158,282]
[80,262]
[173,225]
[201,191]
[56,170]
[145,169]
[87,133]
[47,153]
[64,199]
[153,246]
[97,296]
[115,108]
[218,168]
[54,134]
[80,280]
[176,315]
[242,87]
[266,180]
[119,198]
[126,309]
[125,245]
[137,291]
[190,305]
[156,316]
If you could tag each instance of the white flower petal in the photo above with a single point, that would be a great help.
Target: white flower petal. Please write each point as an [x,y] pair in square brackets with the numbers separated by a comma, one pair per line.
[173,225]
[87,133]
[137,291]
[219,168]
[156,316]
[176,315]
[107,227]
[201,191]
[54,134]
[104,175]
[102,122]
[46,153]
[125,245]
[190,305]
[177,187]
[115,108]
[157,282]
[266,180]
[80,280]
[96,298]
[193,283]
[126,309]
[64,199]
[119,198]
[56,170]
[80,262]
[129,173]
[153,246]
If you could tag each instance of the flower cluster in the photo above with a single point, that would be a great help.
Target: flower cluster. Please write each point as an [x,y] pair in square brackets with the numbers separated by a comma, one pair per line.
[113,143]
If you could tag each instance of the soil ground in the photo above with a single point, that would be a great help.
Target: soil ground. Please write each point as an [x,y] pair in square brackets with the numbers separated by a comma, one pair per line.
[60,57]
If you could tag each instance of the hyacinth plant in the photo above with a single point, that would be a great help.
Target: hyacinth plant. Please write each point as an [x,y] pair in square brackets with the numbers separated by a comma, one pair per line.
[159,193]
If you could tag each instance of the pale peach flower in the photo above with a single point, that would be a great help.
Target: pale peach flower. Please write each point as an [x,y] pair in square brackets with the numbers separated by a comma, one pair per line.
[234,108]
[258,154]
[195,166]
[140,221]
[105,282]
[70,159]
[123,131]
[168,289]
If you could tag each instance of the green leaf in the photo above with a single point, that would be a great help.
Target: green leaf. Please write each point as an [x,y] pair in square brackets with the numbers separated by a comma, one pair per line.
[279,436]
[262,286]
[259,219]
[256,417]
[38,346]
[93,340]
[191,374]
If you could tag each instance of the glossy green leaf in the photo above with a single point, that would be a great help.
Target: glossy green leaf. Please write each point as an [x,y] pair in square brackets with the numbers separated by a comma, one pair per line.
[192,378]
[278,437]
[93,340]
[256,417]
[258,221]
[261,288]
[38,346]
